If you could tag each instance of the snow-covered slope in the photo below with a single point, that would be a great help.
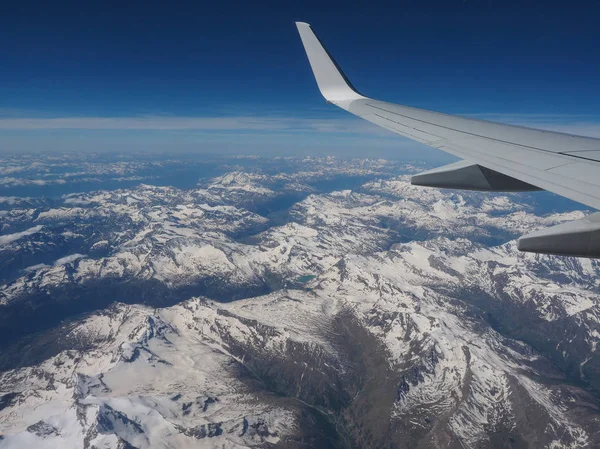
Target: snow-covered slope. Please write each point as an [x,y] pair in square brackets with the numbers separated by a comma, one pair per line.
[136,380]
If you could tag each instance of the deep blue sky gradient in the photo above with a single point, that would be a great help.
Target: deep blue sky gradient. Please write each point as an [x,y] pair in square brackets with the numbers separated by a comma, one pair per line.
[231,59]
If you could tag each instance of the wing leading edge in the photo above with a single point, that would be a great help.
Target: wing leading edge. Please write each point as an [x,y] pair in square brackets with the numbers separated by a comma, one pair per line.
[496,157]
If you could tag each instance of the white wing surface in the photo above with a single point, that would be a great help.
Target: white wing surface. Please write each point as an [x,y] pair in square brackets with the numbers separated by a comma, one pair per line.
[497,157]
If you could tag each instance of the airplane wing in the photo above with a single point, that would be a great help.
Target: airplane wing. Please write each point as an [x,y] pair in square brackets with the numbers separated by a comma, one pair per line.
[495,157]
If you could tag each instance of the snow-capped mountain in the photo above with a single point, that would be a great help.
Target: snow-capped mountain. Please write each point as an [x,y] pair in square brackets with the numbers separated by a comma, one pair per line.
[279,310]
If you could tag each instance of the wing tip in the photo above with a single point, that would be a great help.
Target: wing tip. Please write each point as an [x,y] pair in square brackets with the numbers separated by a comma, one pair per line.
[332,82]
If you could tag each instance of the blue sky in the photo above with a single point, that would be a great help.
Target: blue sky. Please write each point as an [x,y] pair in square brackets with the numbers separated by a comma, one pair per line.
[232,76]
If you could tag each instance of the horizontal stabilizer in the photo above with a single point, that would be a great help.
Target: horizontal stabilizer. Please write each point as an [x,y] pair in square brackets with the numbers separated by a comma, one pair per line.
[580,238]
[468,176]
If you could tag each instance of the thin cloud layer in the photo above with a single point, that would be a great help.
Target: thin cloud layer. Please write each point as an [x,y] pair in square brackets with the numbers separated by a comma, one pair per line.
[193,123]
[262,124]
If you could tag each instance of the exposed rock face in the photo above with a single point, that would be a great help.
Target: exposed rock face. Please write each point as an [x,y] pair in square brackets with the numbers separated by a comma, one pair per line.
[384,316]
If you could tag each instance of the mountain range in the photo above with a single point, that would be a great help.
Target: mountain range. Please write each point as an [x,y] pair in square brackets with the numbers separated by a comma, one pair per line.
[319,303]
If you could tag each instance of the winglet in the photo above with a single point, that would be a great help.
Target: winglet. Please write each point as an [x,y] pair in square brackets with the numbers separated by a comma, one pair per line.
[332,82]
